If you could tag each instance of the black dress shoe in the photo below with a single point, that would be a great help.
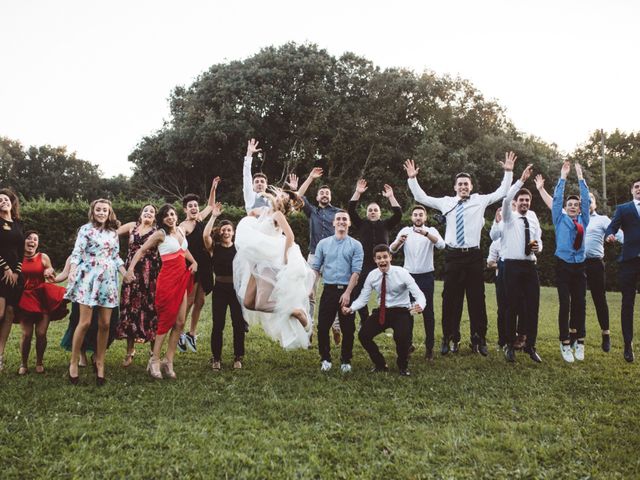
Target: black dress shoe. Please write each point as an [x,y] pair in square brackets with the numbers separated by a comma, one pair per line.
[509,354]
[474,348]
[444,348]
[455,347]
[376,369]
[428,354]
[606,343]
[483,350]
[628,352]
[533,355]
[73,380]
[405,373]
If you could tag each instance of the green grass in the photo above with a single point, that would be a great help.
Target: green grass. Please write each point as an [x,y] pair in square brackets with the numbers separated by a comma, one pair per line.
[460,416]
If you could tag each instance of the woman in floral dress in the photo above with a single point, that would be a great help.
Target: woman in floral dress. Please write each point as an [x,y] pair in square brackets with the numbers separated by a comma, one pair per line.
[138,317]
[93,281]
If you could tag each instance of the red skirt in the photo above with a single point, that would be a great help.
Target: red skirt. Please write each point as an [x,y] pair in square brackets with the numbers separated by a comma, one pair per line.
[174,280]
[46,298]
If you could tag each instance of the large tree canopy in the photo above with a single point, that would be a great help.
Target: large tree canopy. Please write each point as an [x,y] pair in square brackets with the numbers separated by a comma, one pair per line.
[356,120]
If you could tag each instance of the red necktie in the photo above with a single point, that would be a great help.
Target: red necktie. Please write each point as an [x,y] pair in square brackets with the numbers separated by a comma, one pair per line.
[577,243]
[383,299]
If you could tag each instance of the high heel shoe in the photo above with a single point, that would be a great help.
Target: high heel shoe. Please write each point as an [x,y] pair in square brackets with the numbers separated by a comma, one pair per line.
[167,368]
[153,367]
[128,359]
[100,381]
[73,380]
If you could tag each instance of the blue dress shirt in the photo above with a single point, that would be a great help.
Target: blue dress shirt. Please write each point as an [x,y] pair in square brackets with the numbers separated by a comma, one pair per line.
[565,229]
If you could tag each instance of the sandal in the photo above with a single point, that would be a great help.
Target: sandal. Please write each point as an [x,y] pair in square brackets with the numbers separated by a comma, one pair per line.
[153,367]
[23,370]
[167,368]
[128,359]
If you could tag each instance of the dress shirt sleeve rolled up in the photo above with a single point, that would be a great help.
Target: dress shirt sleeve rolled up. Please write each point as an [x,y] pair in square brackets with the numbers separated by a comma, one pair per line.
[440,243]
[358,257]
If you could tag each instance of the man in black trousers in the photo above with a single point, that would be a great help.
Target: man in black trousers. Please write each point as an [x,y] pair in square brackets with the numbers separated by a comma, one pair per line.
[393,285]
[627,218]
[464,262]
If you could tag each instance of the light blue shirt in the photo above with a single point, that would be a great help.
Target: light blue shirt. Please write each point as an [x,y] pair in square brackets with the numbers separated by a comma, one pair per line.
[563,223]
[340,259]
[594,238]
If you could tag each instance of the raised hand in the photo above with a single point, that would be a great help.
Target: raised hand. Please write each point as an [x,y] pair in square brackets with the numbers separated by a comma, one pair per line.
[215,183]
[252,147]
[539,181]
[387,192]
[316,172]
[509,161]
[564,171]
[361,186]
[526,173]
[216,209]
[293,181]
[498,217]
[411,169]
[578,168]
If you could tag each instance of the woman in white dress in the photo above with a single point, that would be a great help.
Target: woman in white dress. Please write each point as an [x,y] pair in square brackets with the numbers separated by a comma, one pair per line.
[271,277]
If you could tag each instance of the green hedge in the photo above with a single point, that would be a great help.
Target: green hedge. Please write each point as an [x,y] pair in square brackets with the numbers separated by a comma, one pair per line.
[57,222]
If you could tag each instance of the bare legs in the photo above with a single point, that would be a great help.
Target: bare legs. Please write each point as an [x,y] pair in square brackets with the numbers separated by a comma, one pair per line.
[104,318]
[257,297]
[41,326]
[6,321]
[174,336]
[195,303]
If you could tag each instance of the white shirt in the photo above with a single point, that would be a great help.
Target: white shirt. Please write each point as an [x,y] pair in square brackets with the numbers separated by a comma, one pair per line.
[247,185]
[594,236]
[399,284]
[494,251]
[473,214]
[418,249]
[513,236]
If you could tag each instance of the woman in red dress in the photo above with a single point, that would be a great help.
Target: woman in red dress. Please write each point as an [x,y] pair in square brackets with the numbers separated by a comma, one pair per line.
[40,303]
[174,282]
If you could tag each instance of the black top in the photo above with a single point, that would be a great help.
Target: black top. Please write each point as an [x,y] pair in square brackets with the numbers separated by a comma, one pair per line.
[204,275]
[11,245]
[223,260]
[372,233]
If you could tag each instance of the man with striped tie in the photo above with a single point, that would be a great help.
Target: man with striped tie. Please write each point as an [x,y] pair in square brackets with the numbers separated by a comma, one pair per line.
[464,263]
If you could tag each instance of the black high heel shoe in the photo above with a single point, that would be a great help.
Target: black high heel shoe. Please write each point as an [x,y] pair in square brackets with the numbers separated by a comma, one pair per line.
[73,380]
[100,381]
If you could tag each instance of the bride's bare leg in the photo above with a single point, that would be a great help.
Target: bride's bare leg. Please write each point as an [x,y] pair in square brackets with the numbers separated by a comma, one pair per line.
[250,294]
[301,316]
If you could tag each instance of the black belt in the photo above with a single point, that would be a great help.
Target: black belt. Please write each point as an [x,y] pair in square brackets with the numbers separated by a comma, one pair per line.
[335,287]
[515,260]
[461,249]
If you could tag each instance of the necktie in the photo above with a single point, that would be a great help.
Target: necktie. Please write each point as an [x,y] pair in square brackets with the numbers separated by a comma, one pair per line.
[460,224]
[577,243]
[383,300]
[527,237]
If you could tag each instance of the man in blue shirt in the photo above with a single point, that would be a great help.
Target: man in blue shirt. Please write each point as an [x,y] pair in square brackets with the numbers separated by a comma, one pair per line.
[339,260]
[571,282]
[627,217]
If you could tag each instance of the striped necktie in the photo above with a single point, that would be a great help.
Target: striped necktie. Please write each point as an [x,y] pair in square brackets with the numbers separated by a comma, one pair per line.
[460,224]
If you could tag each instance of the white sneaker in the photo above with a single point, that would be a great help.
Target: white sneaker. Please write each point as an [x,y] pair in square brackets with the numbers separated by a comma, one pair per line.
[579,353]
[325,366]
[566,352]
[345,368]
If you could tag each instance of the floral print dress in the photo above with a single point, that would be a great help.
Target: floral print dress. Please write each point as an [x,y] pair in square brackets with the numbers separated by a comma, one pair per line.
[96,254]
[138,317]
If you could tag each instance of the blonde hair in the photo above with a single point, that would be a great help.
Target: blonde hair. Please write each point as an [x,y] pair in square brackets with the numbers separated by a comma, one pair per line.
[286,201]
[111,223]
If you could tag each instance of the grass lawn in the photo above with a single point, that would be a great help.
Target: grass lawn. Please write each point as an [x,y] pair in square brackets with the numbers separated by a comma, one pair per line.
[460,416]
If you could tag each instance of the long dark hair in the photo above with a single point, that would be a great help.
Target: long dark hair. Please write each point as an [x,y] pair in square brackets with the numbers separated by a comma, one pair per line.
[15,202]
[162,214]
[215,233]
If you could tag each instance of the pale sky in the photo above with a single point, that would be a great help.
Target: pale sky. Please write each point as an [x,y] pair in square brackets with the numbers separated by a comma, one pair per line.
[96,76]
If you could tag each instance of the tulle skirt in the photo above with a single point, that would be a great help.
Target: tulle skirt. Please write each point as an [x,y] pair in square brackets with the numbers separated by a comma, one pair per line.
[285,286]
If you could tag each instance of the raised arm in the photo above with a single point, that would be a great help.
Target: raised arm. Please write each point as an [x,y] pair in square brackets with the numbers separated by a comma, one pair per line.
[126,229]
[546,197]
[315,173]
[416,191]
[585,200]
[361,187]
[509,161]
[507,214]
[247,182]
[204,213]
[558,193]
[394,219]
[216,210]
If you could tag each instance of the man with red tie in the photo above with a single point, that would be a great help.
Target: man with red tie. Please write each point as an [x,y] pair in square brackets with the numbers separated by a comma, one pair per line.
[571,279]
[393,285]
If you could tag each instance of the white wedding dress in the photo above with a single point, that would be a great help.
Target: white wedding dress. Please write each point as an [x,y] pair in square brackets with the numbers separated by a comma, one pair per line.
[260,249]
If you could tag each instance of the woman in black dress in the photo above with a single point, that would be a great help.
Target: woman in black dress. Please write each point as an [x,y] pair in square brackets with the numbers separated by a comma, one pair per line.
[219,244]
[11,254]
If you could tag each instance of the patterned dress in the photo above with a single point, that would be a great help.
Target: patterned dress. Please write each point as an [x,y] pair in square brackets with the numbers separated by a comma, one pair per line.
[96,254]
[138,317]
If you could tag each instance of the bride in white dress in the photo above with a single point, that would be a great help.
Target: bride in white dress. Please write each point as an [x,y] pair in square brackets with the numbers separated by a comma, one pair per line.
[271,277]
